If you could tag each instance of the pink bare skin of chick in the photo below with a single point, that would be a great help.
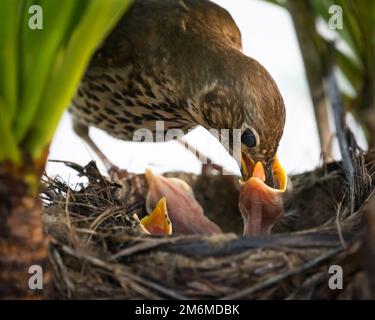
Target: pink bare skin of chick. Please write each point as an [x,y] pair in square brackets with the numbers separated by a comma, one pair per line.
[260,205]
[184,211]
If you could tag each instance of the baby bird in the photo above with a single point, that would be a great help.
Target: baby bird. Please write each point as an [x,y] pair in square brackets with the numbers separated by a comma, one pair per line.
[179,205]
[260,205]
[158,222]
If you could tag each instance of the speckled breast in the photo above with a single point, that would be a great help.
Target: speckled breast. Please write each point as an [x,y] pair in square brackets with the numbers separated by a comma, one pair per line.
[123,101]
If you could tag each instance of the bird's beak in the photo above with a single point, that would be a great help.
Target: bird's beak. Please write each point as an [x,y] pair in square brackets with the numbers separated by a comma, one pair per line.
[279,175]
[276,174]
[247,166]
[157,222]
[260,204]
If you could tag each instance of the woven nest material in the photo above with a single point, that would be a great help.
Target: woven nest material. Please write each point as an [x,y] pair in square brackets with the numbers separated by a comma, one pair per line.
[97,250]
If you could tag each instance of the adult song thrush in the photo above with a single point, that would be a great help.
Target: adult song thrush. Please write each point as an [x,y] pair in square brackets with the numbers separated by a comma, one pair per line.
[181,61]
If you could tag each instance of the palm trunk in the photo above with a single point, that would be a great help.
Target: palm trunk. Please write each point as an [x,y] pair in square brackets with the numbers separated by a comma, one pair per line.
[23,242]
[312,49]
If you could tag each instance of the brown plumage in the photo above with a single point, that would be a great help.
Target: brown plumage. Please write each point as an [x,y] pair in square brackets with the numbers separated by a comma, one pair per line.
[181,61]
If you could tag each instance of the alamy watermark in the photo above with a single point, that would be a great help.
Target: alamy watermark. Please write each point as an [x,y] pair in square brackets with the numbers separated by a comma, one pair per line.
[336,20]
[36,278]
[335,281]
[36,18]
[230,139]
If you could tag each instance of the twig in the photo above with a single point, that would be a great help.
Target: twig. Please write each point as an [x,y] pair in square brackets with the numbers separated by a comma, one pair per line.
[149,243]
[143,246]
[205,248]
[113,269]
[338,224]
[273,280]
[341,132]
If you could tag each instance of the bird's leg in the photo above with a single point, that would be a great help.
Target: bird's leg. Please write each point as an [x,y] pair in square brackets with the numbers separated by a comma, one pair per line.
[210,168]
[114,171]
[83,132]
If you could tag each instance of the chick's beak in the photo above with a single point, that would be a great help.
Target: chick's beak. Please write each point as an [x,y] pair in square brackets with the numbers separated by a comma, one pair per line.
[174,198]
[157,222]
[274,176]
[261,202]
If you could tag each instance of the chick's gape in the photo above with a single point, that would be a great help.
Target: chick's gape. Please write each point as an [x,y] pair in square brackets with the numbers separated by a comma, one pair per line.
[182,63]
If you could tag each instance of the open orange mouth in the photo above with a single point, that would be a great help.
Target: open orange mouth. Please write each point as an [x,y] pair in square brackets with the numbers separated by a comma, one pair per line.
[157,222]
[261,206]
[171,201]
[249,170]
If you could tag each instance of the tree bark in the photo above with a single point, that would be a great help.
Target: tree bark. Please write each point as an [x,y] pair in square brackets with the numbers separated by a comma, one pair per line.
[312,50]
[23,242]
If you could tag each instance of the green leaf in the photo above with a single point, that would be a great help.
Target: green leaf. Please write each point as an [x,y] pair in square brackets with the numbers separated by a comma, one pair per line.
[39,49]
[41,68]
[69,65]
[8,56]
[9,149]
[350,68]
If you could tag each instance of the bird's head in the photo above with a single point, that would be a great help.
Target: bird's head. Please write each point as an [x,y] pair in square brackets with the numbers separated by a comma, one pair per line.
[244,109]
[247,102]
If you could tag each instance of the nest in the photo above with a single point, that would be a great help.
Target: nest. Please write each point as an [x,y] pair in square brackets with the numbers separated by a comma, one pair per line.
[98,252]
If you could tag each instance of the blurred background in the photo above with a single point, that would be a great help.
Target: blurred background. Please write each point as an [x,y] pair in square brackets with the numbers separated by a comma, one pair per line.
[269,36]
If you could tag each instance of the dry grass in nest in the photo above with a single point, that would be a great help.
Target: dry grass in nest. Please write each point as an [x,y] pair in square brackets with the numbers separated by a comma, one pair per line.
[98,251]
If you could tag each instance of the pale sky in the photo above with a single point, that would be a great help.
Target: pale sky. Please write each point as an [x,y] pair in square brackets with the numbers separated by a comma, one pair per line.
[268,36]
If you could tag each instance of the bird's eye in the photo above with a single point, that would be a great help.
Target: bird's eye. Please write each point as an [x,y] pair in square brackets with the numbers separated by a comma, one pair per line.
[248,138]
